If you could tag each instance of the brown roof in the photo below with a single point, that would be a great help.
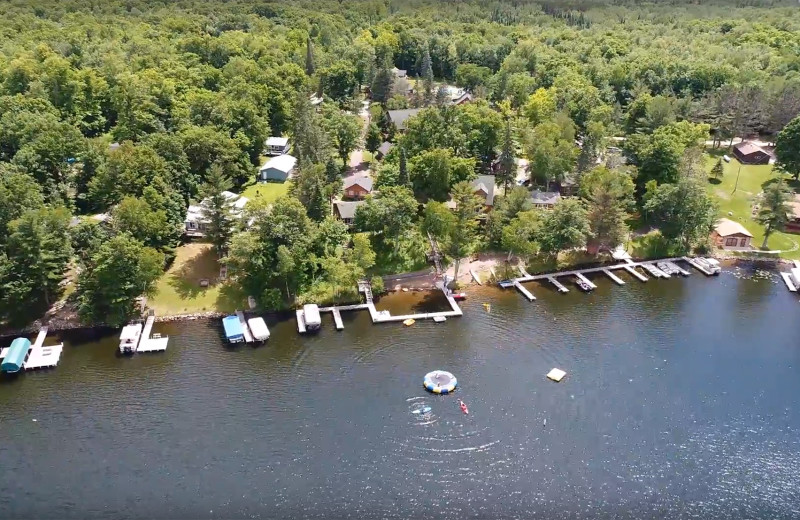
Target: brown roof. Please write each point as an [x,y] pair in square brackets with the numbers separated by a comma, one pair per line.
[748,148]
[726,227]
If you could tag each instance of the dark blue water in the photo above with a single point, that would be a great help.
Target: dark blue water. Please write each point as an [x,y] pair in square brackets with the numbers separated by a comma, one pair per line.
[680,402]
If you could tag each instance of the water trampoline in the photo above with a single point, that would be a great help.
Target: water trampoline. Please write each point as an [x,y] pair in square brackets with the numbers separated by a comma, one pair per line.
[440,382]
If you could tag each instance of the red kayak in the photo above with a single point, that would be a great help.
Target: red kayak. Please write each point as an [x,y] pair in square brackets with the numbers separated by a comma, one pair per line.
[463,407]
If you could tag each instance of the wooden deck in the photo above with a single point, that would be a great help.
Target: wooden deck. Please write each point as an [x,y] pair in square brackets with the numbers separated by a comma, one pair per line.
[337,319]
[585,280]
[635,273]
[614,277]
[248,336]
[561,288]
[525,292]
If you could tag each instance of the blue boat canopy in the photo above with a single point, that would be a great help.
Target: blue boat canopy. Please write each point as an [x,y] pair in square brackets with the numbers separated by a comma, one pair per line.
[233,328]
[16,355]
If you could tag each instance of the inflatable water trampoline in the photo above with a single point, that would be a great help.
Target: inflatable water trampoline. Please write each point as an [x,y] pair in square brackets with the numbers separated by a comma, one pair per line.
[440,382]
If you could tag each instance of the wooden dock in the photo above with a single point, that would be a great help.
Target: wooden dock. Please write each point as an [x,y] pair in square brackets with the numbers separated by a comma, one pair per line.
[148,342]
[40,356]
[525,292]
[561,288]
[678,268]
[614,277]
[787,279]
[248,336]
[635,273]
[585,280]
[337,318]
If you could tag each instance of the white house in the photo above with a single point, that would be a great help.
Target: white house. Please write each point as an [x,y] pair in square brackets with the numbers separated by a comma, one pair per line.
[277,169]
[276,146]
[195,222]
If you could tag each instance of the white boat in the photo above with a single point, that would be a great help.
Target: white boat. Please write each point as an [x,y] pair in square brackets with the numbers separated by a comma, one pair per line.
[712,264]
[258,328]
[311,317]
[129,338]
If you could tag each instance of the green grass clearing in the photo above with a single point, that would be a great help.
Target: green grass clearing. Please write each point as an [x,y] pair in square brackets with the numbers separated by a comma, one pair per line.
[179,291]
[265,192]
[738,205]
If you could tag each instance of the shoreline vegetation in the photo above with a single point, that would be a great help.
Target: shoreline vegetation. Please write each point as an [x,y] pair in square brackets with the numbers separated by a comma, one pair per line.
[193,160]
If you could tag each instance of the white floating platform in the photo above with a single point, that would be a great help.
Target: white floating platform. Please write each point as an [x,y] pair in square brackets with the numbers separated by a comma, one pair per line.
[337,319]
[301,321]
[154,344]
[787,279]
[259,329]
[43,357]
[556,375]
[439,319]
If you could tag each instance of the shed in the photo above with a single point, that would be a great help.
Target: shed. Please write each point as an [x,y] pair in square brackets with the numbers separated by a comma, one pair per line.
[731,235]
[259,328]
[749,153]
[383,149]
[276,146]
[15,355]
[278,168]
[233,329]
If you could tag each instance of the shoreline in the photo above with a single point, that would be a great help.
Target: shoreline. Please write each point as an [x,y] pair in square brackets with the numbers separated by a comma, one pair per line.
[73,324]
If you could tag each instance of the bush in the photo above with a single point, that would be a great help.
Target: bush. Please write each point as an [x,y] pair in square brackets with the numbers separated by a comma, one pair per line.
[377,285]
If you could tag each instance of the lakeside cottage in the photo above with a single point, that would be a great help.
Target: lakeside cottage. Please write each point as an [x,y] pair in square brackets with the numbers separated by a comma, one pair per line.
[399,117]
[749,153]
[731,236]
[484,186]
[357,187]
[195,221]
[346,211]
[544,199]
[276,146]
[277,169]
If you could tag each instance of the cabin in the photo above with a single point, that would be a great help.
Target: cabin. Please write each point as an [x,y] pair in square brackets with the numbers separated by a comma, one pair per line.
[544,199]
[399,117]
[276,146]
[195,221]
[383,150]
[357,187]
[15,355]
[748,153]
[456,95]
[346,211]
[731,236]
[277,169]
[484,188]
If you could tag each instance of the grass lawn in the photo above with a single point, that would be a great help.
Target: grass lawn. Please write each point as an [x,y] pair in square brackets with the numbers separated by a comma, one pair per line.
[266,192]
[737,205]
[179,292]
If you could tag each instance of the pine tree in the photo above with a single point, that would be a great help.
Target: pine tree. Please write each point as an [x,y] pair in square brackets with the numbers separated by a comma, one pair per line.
[402,178]
[775,208]
[217,208]
[382,84]
[427,75]
[374,138]
[718,169]
[331,171]
[506,172]
[309,57]
[310,140]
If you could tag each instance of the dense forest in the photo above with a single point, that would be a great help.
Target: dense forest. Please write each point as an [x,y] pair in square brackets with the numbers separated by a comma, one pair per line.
[116,115]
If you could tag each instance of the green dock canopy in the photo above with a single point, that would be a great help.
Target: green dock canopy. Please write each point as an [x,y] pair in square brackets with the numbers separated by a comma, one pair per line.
[15,356]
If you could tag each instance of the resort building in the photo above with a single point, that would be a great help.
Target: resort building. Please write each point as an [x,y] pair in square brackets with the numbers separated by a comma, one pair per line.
[731,236]
[277,169]
[195,221]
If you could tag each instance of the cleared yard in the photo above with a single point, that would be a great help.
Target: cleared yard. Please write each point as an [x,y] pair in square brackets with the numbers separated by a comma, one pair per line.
[266,192]
[179,290]
[739,204]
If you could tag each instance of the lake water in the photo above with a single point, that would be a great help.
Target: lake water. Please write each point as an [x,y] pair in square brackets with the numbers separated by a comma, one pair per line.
[681,401]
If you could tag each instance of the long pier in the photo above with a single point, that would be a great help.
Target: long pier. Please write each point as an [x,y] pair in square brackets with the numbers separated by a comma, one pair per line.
[627,265]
